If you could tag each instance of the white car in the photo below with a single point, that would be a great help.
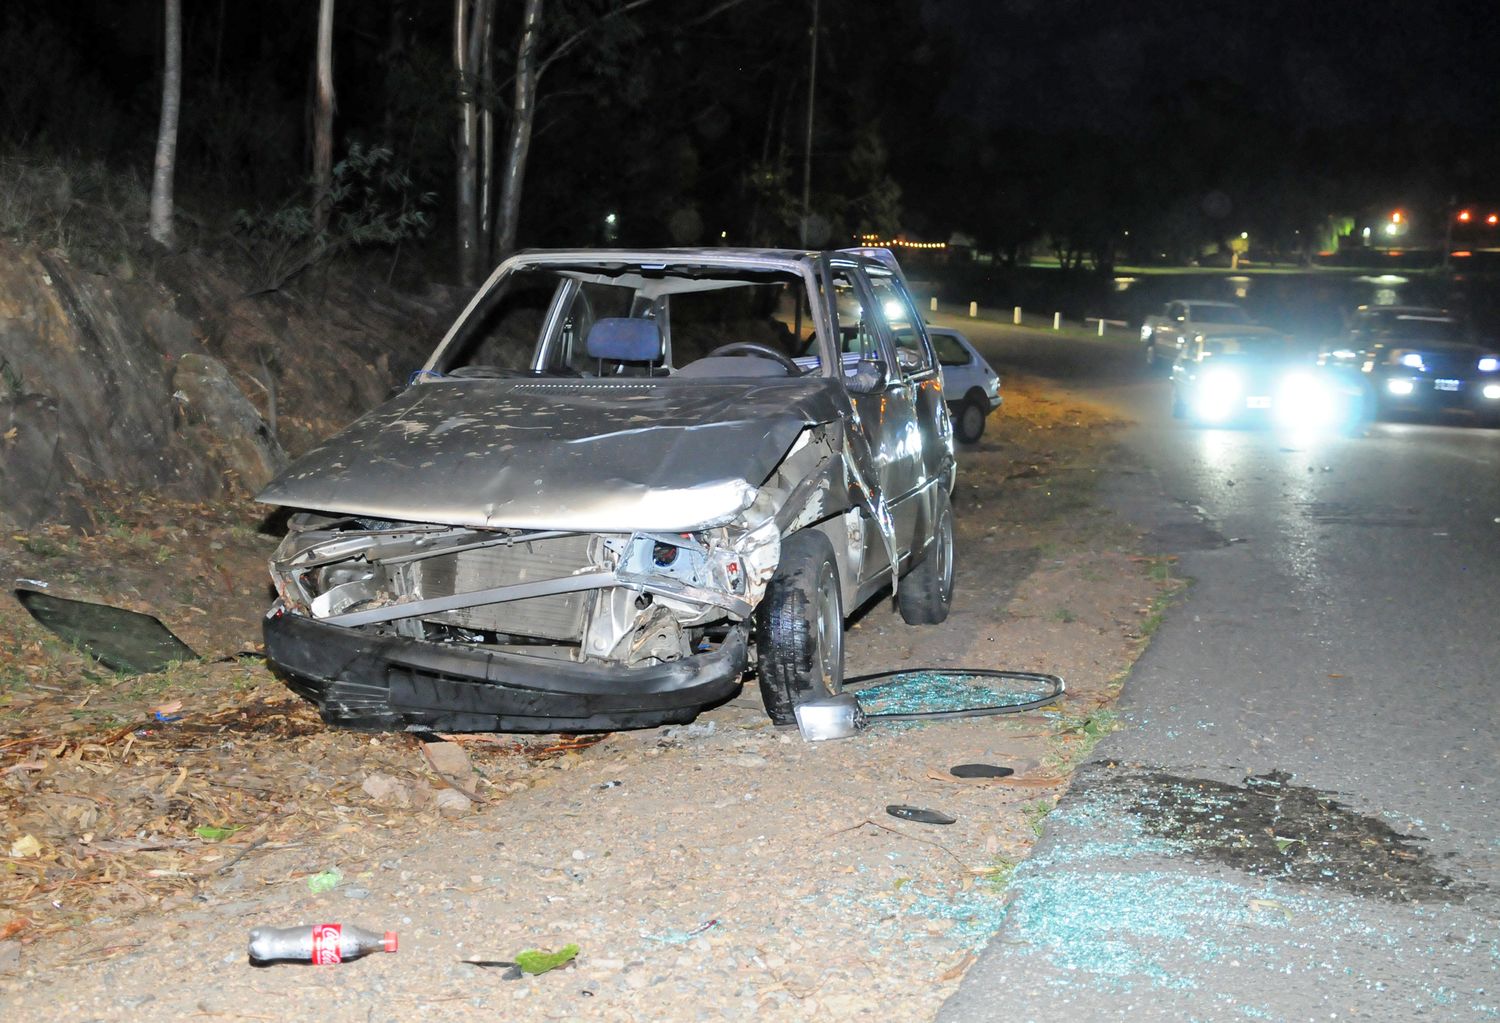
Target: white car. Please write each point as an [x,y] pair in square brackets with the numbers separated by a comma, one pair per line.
[1167,332]
[971,387]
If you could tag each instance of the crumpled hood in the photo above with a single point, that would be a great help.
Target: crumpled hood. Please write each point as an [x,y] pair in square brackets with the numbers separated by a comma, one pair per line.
[587,455]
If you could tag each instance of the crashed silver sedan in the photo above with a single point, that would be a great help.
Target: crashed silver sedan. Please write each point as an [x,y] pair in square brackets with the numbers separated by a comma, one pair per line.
[623,480]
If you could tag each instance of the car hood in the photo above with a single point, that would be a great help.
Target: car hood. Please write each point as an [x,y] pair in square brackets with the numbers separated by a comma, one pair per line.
[585,455]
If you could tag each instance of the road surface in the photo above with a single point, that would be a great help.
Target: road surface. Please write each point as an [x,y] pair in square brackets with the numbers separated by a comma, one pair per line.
[1301,818]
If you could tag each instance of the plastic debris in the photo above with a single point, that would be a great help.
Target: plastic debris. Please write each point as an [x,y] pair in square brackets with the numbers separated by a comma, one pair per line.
[25,847]
[118,639]
[322,945]
[981,771]
[209,833]
[920,815]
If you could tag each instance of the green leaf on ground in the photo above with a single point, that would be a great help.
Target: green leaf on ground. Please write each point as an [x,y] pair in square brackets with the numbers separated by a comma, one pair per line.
[540,960]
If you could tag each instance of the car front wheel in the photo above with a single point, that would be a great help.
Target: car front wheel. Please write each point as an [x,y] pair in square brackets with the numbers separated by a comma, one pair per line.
[926,592]
[799,629]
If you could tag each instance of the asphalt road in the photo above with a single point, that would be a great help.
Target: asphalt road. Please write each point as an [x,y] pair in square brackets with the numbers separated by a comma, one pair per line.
[1301,818]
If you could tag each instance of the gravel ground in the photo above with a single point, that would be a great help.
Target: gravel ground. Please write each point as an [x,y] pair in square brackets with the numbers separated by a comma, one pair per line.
[720,870]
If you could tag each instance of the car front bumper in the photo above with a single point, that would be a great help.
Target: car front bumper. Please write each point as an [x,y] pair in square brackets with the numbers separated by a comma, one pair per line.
[389,683]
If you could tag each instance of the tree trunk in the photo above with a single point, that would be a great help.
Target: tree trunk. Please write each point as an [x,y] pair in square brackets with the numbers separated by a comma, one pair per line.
[323,121]
[523,116]
[484,64]
[465,187]
[161,227]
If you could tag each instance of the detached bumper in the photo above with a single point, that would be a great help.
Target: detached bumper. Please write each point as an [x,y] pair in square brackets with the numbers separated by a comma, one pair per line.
[389,683]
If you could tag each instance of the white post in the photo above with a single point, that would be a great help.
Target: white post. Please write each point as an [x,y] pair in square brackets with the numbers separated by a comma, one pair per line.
[1057,321]
[934,305]
[1016,317]
[1101,326]
[973,308]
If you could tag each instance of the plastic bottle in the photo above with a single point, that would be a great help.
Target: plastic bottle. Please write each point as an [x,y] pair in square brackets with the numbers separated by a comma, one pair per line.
[323,944]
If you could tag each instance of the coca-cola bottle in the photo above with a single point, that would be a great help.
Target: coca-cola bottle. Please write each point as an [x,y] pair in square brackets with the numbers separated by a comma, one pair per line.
[323,944]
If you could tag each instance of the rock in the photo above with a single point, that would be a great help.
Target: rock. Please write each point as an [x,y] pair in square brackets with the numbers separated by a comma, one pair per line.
[226,425]
[452,802]
[389,791]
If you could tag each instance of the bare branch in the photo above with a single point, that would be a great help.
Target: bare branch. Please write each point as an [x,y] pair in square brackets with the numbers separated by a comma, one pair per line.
[567,45]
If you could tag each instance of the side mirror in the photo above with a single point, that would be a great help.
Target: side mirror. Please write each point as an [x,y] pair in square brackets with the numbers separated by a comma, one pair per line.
[867,378]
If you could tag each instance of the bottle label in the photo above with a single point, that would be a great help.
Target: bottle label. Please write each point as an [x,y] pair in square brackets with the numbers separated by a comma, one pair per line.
[326,941]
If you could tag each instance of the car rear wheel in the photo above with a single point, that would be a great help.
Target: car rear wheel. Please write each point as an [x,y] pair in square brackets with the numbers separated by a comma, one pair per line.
[968,423]
[926,592]
[799,629]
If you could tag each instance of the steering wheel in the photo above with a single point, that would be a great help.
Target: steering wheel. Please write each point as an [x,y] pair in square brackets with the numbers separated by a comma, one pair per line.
[763,351]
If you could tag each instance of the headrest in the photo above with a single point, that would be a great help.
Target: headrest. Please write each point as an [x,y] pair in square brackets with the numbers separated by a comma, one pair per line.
[624,339]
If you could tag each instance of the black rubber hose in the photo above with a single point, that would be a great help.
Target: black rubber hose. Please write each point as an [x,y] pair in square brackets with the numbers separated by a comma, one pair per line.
[1058,689]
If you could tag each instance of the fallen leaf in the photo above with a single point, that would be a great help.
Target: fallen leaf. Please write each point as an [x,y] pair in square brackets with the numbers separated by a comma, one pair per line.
[541,960]
[210,833]
[959,968]
[25,847]
[13,928]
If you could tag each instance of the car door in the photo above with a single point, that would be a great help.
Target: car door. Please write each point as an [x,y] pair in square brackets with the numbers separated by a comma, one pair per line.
[886,413]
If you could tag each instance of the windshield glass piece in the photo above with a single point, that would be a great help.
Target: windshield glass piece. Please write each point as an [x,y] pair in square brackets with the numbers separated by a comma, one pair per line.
[118,639]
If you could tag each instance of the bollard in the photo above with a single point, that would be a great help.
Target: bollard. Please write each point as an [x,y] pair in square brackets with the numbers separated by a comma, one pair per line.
[1101,326]
[933,305]
[1016,318]
[973,308]
[1057,321]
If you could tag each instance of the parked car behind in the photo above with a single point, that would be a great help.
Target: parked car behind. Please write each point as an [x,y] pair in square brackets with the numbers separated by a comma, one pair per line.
[616,486]
[970,385]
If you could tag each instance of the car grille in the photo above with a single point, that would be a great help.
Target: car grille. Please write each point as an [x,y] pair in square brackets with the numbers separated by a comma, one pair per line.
[557,617]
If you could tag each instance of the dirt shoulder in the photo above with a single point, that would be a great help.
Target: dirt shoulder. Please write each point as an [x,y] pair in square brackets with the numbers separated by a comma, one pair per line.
[724,869]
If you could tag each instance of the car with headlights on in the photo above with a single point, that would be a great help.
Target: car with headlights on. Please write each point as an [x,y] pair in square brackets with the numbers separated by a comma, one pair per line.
[1264,379]
[1167,332]
[1419,360]
[622,481]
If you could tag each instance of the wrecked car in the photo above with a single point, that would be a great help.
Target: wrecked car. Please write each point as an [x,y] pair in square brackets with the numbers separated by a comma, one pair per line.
[622,480]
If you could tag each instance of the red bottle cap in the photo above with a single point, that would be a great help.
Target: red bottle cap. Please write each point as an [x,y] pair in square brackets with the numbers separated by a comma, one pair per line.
[390,941]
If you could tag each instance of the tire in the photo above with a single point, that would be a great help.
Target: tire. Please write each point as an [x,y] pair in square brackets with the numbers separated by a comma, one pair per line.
[969,420]
[926,592]
[1179,407]
[799,628]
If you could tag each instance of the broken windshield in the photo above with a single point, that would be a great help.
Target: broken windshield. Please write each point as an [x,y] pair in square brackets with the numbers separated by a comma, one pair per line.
[614,321]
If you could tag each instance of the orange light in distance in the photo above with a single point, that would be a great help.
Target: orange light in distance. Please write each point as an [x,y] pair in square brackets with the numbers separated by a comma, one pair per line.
[1396,217]
[1464,216]
[1492,219]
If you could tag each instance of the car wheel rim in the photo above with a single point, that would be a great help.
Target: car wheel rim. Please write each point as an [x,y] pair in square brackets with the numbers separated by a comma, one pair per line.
[830,632]
[944,555]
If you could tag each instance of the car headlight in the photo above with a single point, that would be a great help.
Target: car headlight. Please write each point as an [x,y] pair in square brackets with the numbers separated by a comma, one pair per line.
[1400,387]
[1491,392]
[1304,401]
[1145,332]
[1489,364]
[1218,395]
[1412,360]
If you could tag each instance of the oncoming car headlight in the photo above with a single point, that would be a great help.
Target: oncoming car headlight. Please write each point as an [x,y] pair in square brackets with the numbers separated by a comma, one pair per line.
[1491,392]
[1489,364]
[1400,387]
[1412,360]
[1218,395]
[1303,401]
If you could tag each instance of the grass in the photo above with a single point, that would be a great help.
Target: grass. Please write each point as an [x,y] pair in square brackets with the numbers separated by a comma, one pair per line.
[1035,814]
[1077,735]
[1064,615]
[997,876]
